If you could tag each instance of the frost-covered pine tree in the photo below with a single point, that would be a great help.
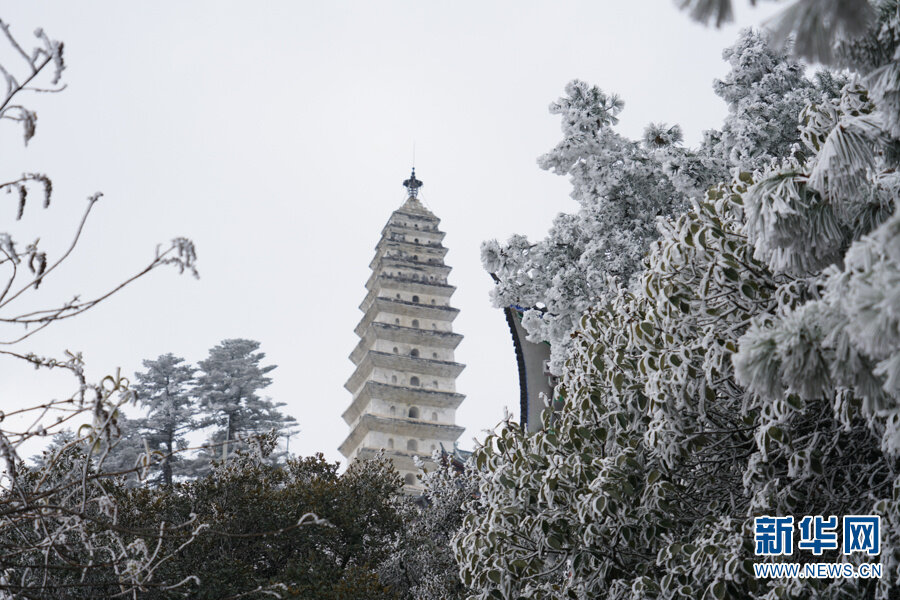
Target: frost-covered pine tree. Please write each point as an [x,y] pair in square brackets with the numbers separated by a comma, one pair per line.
[165,390]
[622,186]
[765,90]
[227,389]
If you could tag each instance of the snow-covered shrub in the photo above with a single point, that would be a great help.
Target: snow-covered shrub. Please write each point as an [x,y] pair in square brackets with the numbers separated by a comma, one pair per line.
[753,369]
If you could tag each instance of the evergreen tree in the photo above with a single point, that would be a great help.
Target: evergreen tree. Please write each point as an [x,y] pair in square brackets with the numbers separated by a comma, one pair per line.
[622,187]
[227,388]
[125,453]
[765,90]
[164,389]
[297,530]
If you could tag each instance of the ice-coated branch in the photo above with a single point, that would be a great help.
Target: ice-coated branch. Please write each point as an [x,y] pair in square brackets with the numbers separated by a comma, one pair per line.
[61,527]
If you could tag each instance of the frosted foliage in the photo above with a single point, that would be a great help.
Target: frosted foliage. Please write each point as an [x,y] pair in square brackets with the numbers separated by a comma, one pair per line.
[660,135]
[813,26]
[164,389]
[869,293]
[421,564]
[751,367]
[803,214]
[876,56]
[849,340]
[228,386]
[793,228]
[621,186]
[644,484]
[765,92]
[129,455]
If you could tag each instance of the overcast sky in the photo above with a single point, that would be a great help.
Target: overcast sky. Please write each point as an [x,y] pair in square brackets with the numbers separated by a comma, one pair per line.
[276,135]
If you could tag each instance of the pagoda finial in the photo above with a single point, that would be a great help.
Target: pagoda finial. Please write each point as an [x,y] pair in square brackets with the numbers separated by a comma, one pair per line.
[412,184]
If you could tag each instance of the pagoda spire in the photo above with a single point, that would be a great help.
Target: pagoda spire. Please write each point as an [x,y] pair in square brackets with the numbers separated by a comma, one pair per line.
[412,184]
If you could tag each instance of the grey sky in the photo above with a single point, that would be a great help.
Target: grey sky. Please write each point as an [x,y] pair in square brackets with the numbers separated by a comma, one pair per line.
[276,136]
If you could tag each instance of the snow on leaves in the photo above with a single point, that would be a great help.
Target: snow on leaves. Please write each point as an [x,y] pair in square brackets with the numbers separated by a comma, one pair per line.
[752,367]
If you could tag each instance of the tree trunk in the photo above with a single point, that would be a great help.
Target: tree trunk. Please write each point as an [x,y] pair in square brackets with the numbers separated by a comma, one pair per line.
[167,461]
[229,433]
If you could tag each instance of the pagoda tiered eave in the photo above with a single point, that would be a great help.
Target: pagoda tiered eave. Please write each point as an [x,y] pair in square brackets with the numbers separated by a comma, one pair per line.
[402,395]
[406,309]
[411,286]
[406,427]
[392,227]
[432,249]
[373,279]
[398,362]
[433,266]
[405,335]
[418,213]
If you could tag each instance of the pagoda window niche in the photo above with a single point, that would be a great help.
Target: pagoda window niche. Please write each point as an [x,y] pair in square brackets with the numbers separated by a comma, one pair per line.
[413,412]
[414,381]
[412,445]
[414,352]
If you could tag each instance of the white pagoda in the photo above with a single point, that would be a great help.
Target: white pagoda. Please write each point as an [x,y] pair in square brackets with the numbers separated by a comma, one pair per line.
[404,385]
